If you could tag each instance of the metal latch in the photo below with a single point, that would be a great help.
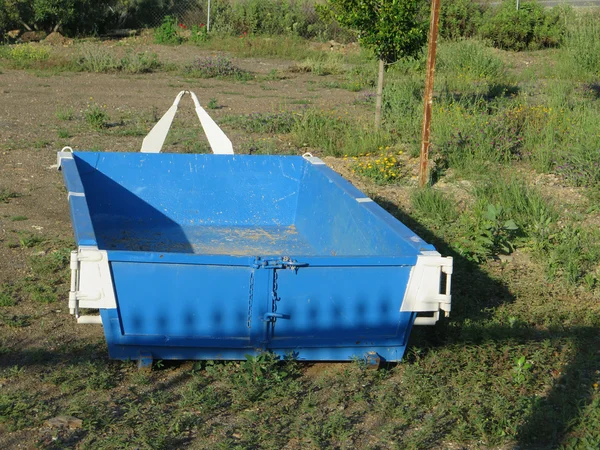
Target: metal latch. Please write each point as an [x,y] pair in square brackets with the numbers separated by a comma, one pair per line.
[280,263]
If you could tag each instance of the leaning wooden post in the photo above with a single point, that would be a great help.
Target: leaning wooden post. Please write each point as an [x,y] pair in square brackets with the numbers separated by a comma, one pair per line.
[433,33]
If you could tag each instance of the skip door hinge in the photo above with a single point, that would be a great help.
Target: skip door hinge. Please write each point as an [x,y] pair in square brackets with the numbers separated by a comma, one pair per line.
[91,283]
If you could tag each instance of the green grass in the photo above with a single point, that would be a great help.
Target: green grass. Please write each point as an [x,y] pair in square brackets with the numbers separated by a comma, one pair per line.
[335,135]
[280,122]
[64,113]
[434,206]
[326,64]
[7,295]
[284,47]
[63,134]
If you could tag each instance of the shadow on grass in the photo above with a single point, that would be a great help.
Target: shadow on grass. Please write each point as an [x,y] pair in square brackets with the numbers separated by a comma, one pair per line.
[475,295]
[493,92]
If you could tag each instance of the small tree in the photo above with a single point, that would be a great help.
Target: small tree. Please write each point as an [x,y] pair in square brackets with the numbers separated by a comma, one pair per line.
[392,29]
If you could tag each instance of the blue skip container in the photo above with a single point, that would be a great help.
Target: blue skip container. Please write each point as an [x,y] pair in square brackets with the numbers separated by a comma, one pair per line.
[219,256]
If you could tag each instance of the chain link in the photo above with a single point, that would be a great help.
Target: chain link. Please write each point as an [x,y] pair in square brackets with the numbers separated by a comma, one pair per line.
[188,12]
[275,297]
[250,299]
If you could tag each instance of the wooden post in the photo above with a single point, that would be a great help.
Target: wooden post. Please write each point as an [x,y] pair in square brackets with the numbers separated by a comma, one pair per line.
[378,100]
[433,34]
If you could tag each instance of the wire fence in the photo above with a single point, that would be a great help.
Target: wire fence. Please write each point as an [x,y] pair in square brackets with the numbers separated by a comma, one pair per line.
[189,12]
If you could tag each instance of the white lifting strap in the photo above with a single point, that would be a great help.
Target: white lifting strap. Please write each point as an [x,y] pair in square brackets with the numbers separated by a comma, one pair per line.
[219,142]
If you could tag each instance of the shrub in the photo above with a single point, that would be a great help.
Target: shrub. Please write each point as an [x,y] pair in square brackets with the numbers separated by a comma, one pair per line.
[70,16]
[528,28]
[168,32]
[460,18]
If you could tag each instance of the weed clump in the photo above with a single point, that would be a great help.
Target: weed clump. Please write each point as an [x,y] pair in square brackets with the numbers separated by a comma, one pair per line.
[96,116]
[93,58]
[216,67]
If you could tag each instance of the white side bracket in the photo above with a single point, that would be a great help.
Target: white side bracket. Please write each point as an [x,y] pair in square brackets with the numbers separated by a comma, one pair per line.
[91,283]
[217,139]
[428,289]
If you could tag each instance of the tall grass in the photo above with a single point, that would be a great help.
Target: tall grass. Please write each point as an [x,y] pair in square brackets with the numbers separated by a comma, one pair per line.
[581,53]
[335,135]
[95,58]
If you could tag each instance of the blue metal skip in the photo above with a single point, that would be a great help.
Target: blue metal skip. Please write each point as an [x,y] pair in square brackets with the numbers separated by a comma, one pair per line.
[216,257]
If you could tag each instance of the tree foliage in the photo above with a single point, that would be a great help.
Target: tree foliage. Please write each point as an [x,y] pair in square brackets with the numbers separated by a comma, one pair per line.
[72,16]
[393,29]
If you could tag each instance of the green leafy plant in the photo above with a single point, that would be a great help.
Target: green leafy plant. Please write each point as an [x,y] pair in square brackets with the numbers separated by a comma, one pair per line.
[212,104]
[487,233]
[167,32]
[199,34]
[521,369]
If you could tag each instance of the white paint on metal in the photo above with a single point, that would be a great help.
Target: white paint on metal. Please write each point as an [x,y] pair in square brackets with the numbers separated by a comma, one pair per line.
[154,141]
[63,155]
[95,320]
[75,194]
[219,142]
[423,292]
[91,281]
[313,159]
[364,200]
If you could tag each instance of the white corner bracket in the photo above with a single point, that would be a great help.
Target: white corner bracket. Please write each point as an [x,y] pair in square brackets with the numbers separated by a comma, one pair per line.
[428,289]
[313,159]
[217,139]
[91,283]
[65,153]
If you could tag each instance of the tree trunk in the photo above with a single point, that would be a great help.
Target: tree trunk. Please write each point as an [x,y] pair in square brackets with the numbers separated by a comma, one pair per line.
[379,95]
